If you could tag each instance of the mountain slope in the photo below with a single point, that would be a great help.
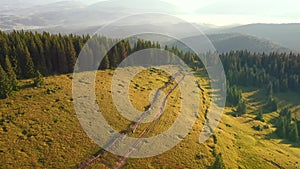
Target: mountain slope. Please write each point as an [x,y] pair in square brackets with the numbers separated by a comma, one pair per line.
[233,41]
[286,35]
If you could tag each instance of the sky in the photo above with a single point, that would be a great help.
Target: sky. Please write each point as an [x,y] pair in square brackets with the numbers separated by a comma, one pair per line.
[229,12]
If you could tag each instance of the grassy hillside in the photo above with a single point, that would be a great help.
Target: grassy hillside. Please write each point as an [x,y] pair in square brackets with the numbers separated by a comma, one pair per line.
[39,128]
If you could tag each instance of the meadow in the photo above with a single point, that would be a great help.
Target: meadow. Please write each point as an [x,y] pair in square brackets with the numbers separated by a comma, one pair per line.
[40,129]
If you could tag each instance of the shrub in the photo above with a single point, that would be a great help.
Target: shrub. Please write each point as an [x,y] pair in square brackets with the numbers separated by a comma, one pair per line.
[38,80]
[260,116]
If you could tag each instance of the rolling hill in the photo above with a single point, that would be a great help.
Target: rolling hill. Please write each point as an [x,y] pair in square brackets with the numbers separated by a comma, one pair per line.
[39,129]
[226,42]
[286,35]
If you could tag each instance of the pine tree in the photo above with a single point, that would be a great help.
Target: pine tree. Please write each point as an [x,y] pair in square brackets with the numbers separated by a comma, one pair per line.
[241,108]
[293,132]
[271,104]
[287,114]
[259,116]
[86,59]
[270,89]
[71,57]
[105,63]
[47,54]
[61,58]
[124,51]
[41,65]
[38,80]
[281,127]
[102,52]
[219,163]
[5,86]
[115,58]
[298,125]
[284,85]
[34,53]
[4,49]
[234,95]
[28,69]
[78,45]
[276,86]
[11,74]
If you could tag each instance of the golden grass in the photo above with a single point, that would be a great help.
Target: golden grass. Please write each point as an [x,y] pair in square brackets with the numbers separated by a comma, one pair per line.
[43,131]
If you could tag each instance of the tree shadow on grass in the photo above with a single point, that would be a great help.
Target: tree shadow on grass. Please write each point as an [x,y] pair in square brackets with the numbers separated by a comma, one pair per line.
[259,96]
[273,135]
[232,113]
[26,86]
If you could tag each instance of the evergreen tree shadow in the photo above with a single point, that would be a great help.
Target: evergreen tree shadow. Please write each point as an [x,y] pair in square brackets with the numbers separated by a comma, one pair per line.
[26,86]
[232,113]
[273,135]
[258,99]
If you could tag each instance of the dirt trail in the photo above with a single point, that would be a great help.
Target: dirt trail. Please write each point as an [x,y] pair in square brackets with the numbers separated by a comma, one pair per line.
[134,126]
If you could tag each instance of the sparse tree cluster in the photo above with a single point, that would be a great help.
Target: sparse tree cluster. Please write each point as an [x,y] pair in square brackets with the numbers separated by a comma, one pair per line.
[287,127]
[234,95]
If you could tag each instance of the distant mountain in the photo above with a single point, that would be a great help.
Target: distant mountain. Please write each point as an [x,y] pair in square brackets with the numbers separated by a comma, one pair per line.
[75,15]
[227,42]
[287,35]
[9,7]
[135,6]
[39,16]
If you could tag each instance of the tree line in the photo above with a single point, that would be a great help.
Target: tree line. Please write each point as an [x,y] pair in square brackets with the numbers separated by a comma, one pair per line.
[26,55]
[22,54]
[278,72]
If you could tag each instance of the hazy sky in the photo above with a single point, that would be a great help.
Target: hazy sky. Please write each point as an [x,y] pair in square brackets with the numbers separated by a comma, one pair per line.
[226,12]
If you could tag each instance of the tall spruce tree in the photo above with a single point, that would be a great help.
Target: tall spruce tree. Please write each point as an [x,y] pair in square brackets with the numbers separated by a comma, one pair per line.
[219,163]
[70,56]
[259,116]
[4,49]
[115,57]
[270,89]
[282,127]
[28,67]
[105,63]
[11,74]
[241,108]
[293,132]
[5,86]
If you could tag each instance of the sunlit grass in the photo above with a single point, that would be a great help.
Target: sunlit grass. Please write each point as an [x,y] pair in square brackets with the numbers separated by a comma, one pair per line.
[39,128]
